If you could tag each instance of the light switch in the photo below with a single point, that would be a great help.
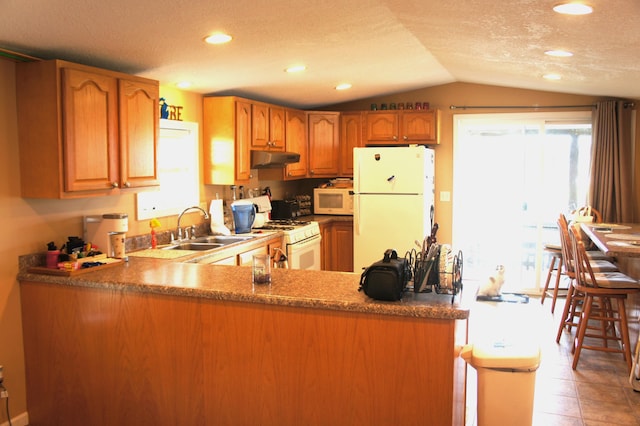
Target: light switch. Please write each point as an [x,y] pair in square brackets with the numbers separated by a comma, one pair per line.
[445,196]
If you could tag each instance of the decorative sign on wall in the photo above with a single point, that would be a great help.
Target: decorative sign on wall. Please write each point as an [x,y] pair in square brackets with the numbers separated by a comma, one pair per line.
[170,112]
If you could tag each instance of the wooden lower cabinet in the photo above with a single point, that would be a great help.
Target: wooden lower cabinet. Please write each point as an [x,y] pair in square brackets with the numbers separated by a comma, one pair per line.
[109,356]
[337,246]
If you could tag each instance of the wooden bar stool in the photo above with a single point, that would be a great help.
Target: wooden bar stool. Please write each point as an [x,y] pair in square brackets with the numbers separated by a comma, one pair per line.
[611,290]
[574,301]
[555,252]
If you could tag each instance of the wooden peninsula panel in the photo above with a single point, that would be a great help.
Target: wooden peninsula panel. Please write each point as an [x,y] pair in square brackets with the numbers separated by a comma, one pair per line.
[105,356]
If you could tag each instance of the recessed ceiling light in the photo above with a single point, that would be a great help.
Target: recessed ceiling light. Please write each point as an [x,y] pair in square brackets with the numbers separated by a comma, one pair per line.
[296,68]
[343,86]
[573,9]
[218,38]
[558,53]
[552,76]
[183,84]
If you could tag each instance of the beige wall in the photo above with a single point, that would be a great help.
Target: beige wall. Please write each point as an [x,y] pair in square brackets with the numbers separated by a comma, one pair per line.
[28,224]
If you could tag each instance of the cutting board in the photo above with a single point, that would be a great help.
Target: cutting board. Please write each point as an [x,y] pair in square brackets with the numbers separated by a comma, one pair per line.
[108,262]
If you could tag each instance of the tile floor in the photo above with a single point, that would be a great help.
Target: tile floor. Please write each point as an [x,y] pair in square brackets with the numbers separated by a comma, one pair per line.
[597,393]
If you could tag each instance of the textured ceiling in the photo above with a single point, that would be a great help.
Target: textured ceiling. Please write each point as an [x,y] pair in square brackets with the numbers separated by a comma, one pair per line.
[379,46]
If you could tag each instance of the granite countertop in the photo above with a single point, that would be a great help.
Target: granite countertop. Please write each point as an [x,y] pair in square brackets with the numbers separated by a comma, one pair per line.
[295,288]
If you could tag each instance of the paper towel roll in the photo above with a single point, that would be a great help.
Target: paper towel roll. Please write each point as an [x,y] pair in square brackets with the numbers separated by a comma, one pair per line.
[216,213]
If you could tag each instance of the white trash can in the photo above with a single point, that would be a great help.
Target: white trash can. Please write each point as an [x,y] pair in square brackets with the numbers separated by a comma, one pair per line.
[506,380]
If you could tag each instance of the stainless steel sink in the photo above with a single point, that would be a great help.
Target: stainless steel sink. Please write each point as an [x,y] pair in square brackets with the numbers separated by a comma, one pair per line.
[194,246]
[209,242]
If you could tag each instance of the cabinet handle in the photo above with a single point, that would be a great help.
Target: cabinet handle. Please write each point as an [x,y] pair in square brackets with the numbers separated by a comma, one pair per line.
[311,171]
[114,184]
[395,138]
[127,185]
[405,138]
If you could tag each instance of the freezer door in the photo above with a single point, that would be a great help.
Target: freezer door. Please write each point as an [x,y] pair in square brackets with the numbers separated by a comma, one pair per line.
[381,222]
[393,170]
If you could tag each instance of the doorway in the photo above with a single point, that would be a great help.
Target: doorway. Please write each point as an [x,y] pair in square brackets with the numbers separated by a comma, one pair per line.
[513,175]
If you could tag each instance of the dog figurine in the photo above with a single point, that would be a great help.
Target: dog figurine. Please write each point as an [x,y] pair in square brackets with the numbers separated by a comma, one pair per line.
[492,287]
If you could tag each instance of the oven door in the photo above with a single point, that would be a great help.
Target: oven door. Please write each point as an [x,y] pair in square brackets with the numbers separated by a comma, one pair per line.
[305,254]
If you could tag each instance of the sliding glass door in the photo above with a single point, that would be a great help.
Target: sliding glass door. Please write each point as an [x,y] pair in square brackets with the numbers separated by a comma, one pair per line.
[513,175]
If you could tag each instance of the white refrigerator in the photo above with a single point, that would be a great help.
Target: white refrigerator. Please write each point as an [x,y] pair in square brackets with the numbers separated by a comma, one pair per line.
[393,200]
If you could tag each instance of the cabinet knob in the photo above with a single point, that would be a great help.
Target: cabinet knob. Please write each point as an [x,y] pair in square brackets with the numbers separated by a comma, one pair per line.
[395,138]
[405,138]
[127,185]
[311,171]
[114,184]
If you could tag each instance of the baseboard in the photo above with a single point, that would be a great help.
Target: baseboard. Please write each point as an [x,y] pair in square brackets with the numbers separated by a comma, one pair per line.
[19,420]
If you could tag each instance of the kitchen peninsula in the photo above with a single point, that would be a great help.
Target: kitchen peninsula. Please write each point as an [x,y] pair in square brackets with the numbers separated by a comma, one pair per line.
[156,341]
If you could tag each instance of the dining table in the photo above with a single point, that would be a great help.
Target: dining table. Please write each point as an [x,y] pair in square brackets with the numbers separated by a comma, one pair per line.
[619,240]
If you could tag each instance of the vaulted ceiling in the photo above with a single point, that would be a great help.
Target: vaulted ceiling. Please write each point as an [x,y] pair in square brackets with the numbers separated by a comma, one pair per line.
[378,46]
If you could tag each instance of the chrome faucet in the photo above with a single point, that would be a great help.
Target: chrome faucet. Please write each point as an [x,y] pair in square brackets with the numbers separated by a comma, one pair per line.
[179,230]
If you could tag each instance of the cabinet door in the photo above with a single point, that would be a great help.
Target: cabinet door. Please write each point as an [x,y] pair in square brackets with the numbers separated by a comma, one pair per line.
[382,127]
[324,134]
[350,137]
[243,140]
[419,126]
[296,141]
[342,246]
[139,126]
[276,128]
[246,258]
[260,126]
[268,127]
[325,246]
[90,130]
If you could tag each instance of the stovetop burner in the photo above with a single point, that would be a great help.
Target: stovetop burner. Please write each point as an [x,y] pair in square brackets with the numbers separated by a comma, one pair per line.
[284,224]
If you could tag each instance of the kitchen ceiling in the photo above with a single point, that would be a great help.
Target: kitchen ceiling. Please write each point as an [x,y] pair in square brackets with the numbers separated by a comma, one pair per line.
[379,46]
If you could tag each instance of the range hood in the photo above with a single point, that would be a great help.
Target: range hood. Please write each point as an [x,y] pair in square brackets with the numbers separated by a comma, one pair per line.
[272,159]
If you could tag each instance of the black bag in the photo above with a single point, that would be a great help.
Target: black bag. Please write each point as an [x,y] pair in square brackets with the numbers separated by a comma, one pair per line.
[387,278]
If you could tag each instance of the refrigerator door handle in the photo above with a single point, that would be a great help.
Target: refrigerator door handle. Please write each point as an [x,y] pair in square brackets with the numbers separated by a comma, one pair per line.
[356,214]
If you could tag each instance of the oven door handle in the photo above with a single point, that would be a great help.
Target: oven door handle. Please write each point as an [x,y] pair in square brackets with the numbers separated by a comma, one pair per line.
[300,245]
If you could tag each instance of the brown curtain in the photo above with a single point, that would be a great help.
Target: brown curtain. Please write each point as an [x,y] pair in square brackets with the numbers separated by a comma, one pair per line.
[611,162]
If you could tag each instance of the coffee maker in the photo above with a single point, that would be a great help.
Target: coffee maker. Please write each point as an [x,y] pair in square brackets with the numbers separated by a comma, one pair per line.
[98,230]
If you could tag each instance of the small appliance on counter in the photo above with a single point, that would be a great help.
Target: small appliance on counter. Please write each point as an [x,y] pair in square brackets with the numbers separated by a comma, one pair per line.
[100,230]
[285,209]
[263,208]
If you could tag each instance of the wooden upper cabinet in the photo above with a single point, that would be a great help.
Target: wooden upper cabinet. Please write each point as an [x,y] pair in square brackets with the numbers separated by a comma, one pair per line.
[90,130]
[268,127]
[324,143]
[402,127]
[139,127]
[84,131]
[296,141]
[350,137]
[227,132]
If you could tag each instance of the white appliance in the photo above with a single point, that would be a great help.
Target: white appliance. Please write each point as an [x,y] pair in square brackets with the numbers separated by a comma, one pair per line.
[301,241]
[97,229]
[332,200]
[394,198]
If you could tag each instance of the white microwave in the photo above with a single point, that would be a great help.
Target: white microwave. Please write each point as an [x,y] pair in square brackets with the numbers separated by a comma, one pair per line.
[333,200]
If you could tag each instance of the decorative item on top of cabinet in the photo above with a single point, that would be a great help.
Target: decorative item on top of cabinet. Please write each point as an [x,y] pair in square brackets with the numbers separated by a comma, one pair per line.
[295,141]
[402,127]
[85,131]
[226,131]
[268,127]
[324,143]
[350,137]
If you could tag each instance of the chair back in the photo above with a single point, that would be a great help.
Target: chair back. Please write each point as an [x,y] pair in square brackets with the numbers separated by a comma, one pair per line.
[587,211]
[582,268]
[565,244]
